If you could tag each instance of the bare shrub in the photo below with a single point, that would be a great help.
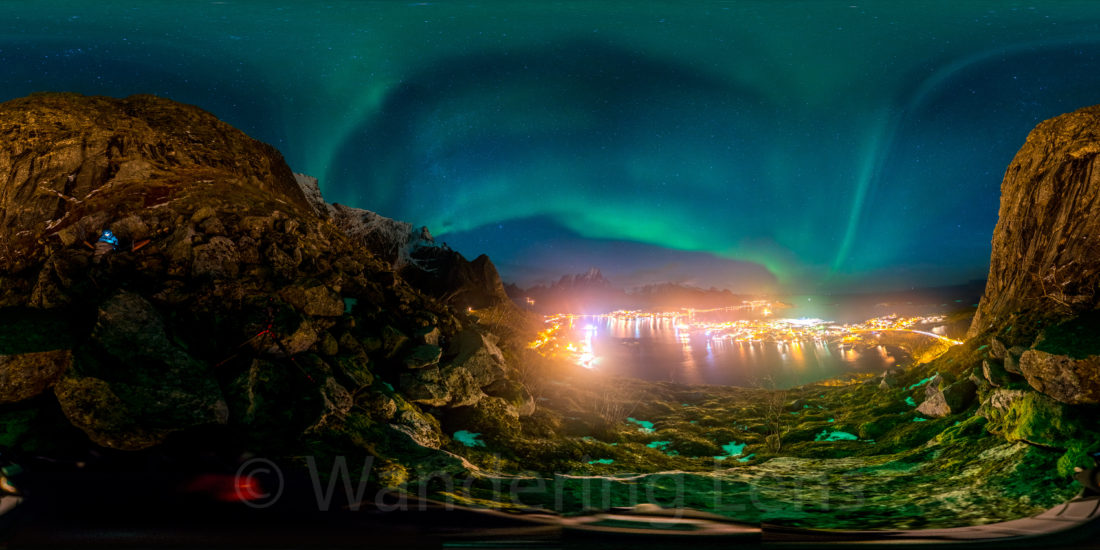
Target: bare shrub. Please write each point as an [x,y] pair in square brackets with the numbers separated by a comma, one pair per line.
[772,408]
[610,405]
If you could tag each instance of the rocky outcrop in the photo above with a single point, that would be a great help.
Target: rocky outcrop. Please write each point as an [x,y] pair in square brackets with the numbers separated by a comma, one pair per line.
[67,157]
[237,298]
[1046,245]
[1039,309]
[1066,379]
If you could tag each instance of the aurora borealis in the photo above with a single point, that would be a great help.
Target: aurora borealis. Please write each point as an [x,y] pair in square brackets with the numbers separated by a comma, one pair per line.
[798,145]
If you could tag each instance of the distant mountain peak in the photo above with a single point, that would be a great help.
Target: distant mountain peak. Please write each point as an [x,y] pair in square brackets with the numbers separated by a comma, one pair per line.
[592,278]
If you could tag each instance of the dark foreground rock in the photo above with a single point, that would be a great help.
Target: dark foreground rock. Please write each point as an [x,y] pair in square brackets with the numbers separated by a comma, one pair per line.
[237,299]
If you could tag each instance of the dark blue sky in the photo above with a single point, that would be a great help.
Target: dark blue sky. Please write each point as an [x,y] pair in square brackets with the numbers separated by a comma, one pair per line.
[752,145]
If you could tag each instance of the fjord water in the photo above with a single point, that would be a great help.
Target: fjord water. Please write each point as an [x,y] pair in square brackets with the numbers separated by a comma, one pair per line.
[658,349]
[655,349]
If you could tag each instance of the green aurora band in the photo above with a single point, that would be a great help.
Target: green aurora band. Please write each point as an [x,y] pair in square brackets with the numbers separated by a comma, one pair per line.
[835,145]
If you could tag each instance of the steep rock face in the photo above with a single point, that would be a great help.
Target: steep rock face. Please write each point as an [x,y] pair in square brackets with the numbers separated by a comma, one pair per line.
[1046,245]
[1045,266]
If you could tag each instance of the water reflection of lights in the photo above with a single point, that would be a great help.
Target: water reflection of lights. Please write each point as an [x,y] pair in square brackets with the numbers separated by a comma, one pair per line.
[790,337]
[587,358]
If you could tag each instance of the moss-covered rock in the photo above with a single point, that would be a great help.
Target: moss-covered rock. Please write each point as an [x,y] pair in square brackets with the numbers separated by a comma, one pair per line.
[1078,455]
[421,428]
[492,417]
[1032,417]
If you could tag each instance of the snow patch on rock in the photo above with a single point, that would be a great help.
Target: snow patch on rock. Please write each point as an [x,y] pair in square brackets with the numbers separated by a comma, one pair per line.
[393,240]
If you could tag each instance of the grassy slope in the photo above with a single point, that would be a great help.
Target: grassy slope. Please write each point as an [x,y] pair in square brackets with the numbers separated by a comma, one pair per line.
[852,454]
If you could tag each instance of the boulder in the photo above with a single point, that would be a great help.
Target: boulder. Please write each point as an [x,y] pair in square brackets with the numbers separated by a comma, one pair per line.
[327,344]
[381,406]
[336,401]
[132,417]
[462,387]
[65,269]
[890,378]
[1030,416]
[1066,379]
[422,429]
[935,406]
[91,405]
[284,399]
[423,356]
[438,387]
[355,370]
[995,374]
[1012,359]
[203,214]
[997,349]
[492,417]
[479,356]
[287,344]
[285,264]
[1001,400]
[392,340]
[514,394]
[26,375]
[131,228]
[425,387]
[217,259]
[315,301]
[952,399]
[429,335]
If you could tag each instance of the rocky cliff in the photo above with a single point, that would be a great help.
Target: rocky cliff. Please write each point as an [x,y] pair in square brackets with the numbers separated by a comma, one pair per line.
[1046,245]
[236,299]
[1038,316]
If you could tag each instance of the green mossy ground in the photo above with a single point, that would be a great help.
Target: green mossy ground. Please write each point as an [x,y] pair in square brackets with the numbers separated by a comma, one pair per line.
[900,470]
[1077,338]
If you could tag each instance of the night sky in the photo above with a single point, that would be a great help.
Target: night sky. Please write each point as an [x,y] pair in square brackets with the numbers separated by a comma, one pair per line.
[758,145]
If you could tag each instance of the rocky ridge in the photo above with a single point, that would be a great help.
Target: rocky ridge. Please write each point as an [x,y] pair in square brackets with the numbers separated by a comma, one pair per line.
[237,297]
